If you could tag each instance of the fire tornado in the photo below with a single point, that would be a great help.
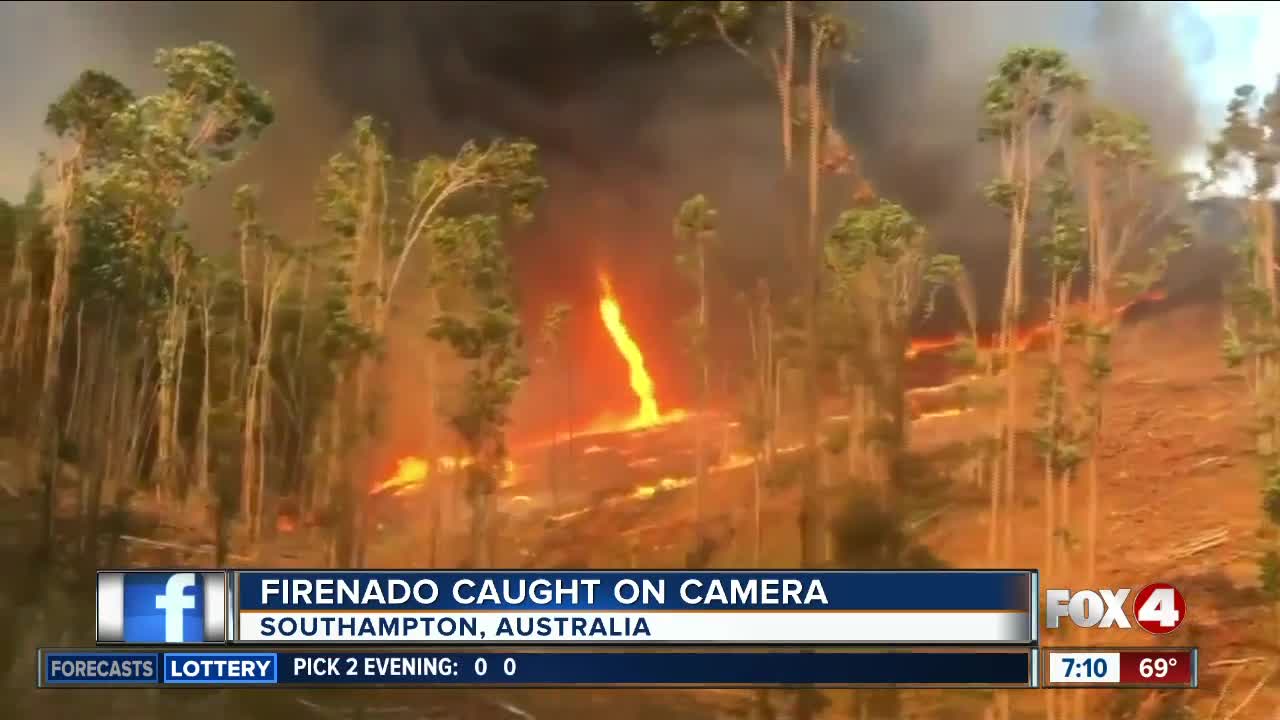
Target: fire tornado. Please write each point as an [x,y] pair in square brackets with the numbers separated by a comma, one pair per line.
[641,382]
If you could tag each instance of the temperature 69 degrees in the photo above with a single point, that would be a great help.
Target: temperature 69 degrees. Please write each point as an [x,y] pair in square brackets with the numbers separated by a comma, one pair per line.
[1157,608]
[1128,667]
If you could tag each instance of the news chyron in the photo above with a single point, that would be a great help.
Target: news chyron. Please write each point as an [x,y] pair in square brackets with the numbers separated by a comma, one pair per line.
[162,607]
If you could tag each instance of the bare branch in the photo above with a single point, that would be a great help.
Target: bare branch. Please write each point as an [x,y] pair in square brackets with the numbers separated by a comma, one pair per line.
[739,48]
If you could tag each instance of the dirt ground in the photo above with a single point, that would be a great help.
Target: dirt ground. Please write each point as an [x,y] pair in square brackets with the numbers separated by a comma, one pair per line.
[1180,504]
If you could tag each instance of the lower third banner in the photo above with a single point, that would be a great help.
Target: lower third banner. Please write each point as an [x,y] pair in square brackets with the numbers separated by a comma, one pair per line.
[864,668]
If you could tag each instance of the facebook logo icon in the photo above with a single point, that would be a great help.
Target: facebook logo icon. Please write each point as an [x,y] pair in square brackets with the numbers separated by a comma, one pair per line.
[153,607]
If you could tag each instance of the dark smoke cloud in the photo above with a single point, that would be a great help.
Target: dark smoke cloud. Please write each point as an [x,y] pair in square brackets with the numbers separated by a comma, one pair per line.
[912,101]
[625,134]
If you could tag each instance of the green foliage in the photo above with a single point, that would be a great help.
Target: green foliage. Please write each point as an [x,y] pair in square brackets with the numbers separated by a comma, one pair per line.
[553,321]
[696,220]
[1269,574]
[1098,364]
[1027,85]
[871,535]
[886,233]
[245,206]
[754,30]
[85,111]
[943,269]
[1001,194]
[502,173]
[1141,281]
[1064,252]
[353,178]
[1248,147]
[1233,346]
[106,268]
[695,228]
[489,342]
[965,354]
[833,31]
[162,146]
[1250,327]
[1248,141]
[484,330]
[878,268]
[205,117]
[837,438]
[1271,493]
[1056,437]
[678,24]
[8,228]
[1116,137]
[1064,247]
[207,95]
[940,271]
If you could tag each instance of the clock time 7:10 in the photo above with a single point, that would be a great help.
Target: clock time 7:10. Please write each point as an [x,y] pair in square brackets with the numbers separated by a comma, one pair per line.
[1079,667]
[1089,667]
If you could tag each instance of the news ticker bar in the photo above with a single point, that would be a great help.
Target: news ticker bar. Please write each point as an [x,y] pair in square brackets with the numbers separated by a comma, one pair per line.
[881,667]
[868,667]
[579,607]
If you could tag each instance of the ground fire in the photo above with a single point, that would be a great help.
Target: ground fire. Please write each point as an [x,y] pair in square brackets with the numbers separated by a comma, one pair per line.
[1027,337]
[931,401]
[410,472]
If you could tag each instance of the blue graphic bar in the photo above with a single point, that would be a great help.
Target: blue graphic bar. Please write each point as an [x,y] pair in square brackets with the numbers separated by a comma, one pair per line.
[872,668]
[773,590]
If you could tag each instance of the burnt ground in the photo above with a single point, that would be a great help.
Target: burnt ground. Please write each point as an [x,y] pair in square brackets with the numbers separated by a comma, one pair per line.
[1180,503]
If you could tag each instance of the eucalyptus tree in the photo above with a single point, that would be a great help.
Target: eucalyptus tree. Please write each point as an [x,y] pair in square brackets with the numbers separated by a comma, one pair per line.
[264,258]
[1131,206]
[695,228]
[172,142]
[1027,106]
[453,209]
[24,252]
[484,332]
[1247,152]
[551,334]
[1058,435]
[82,121]
[781,40]
[764,34]
[759,417]
[881,272]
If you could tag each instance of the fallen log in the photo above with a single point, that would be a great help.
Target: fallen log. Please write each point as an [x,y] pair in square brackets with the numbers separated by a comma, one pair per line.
[1198,545]
[193,549]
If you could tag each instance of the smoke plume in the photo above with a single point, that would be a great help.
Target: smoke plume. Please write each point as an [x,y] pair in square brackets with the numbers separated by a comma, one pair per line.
[625,134]
[912,102]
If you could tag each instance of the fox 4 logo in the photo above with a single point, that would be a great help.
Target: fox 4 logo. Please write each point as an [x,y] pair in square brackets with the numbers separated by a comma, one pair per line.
[1157,608]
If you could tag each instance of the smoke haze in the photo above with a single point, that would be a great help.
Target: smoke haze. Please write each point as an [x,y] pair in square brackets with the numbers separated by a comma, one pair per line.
[625,134]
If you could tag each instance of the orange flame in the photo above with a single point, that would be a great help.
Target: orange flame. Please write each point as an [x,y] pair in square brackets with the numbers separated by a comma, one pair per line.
[1026,336]
[641,383]
[410,473]
[286,523]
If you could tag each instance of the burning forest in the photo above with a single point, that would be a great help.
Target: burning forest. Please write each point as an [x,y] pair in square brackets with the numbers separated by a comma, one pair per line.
[789,320]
